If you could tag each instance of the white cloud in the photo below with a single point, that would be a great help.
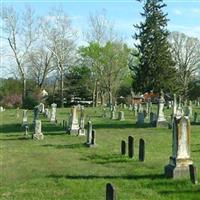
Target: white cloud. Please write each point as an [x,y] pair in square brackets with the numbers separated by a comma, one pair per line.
[178,12]
[195,11]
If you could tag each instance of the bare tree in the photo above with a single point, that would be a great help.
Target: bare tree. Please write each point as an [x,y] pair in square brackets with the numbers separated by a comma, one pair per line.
[20,33]
[60,40]
[186,53]
[40,61]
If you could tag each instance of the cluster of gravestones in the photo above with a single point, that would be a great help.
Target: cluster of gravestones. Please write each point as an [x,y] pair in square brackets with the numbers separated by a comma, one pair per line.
[131,148]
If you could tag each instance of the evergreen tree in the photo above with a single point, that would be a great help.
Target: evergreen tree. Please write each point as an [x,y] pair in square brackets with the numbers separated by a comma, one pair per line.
[155,68]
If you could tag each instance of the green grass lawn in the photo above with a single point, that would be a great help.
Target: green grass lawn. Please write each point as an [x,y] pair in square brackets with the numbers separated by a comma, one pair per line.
[62,167]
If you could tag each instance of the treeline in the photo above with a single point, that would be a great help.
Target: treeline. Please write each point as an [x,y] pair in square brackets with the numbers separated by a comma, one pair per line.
[43,53]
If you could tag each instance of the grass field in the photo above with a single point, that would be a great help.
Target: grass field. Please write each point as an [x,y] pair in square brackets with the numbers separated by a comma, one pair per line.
[62,167]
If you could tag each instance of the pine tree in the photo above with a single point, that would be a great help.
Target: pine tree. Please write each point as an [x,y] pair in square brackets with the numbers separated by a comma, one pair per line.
[155,69]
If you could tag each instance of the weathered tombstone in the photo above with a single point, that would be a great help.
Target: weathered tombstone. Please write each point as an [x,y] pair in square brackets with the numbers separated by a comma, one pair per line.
[140,118]
[41,107]
[46,113]
[38,133]
[1,109]
[36,113]
[140,108]
[74,125]
[130,107]
[141,150]
[123,147]
[193,174]
[124,106]
[53,112]
[81,130]
[179,111]
[89,133]
[161,121]
[113,115]
[24,118]
[26,130]
[195,117]
[93,139]
[130,147]
[121,116]
[135,109]
[180,159]
[110,192]
[153,119]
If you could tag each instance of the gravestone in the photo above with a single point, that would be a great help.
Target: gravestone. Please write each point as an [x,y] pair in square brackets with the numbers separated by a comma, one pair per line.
[135,109]
[130,147]
[130,107]
[140,118]
[24,118]
[41,107]
[174,109]
[153,119]
[93,139]
[112,115]
[141,150]
[36,113]
[2,109]
[46,113]
[26,130]
[74,125]
[195,117]
[53,112]
[180,160]
[38,133]
[193,174]
[81,130]
[17,112]
[110,192]
[89,133]
[121,116]
[179,111]
[123,147]
[161,121]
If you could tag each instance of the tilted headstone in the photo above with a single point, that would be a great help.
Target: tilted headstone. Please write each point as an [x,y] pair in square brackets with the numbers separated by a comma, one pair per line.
[38,133]
[130,147]
[53,112]
[180,159]
[123,147]
[89,133]
[193,174]
[141,150]
[24,118]
[110,192]
[121,116]
[161,121]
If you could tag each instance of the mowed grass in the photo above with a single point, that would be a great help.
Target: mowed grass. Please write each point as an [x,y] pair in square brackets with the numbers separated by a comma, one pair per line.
[62,167]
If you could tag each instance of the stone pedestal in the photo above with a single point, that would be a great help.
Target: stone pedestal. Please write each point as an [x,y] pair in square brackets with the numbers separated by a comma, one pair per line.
[180,160]
[38,133]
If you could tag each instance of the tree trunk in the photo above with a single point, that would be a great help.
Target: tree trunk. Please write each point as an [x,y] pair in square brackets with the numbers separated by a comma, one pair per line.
[96,93]
[110,98]
[61,89]
[23,90]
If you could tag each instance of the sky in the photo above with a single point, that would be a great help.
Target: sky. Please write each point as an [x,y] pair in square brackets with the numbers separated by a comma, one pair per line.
[183,15]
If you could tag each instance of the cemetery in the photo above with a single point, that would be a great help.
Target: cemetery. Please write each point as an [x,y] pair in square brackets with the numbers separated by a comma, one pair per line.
[86,115]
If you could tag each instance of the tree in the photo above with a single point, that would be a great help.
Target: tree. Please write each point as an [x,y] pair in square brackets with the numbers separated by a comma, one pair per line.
[60,40]
[155,69]
[20,34]
[186,53]
[40,62]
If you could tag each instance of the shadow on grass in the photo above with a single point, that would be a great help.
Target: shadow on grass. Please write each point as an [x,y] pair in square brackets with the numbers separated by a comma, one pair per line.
[180,192]
[135,177]
[11,128]
[16,138]
[197,124]
[67,146]
[114,158]
[121,125]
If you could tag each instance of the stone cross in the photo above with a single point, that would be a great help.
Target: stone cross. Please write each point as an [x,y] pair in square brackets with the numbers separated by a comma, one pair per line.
[53,112]
[141,150]
[110,192]
[25,118]
[180,159]
[130,147]
[38,133]
[123,147]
